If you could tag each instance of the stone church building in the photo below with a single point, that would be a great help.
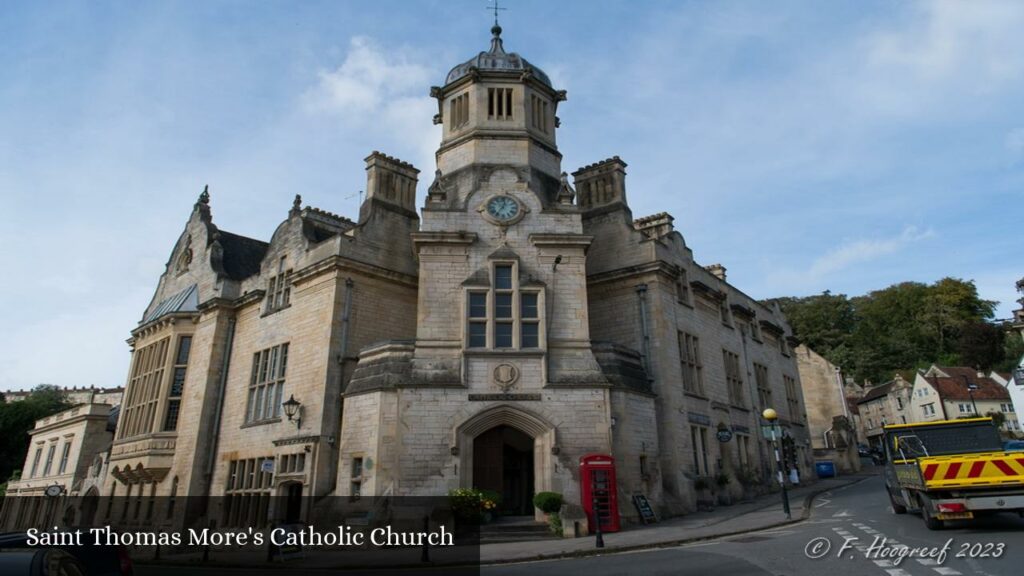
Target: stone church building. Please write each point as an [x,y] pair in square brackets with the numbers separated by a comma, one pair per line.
[490,337]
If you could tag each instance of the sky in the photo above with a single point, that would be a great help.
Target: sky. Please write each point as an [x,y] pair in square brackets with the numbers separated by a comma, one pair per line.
[806,146]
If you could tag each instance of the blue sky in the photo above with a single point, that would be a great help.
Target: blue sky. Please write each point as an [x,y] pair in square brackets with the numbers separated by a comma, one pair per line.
[804,145]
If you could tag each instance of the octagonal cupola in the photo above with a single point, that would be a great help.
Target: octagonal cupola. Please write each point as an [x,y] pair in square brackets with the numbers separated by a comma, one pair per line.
[497,107]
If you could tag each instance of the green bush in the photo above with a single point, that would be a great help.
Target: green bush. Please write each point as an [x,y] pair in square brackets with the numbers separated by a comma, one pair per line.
[555,523]
[548,502]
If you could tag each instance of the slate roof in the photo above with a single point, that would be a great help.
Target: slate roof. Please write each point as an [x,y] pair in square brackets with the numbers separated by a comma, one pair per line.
[242,255]
[186,300]
[876,392]
[954,387]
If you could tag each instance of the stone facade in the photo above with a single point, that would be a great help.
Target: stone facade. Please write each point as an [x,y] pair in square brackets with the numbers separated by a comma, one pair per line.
[830,422]
[76,395]
[884,404]
[66,450]
[516,324]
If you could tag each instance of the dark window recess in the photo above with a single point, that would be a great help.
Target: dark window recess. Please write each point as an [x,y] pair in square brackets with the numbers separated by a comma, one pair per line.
[528,306]
[503,277]
[503,335]
[502,305]
[529,337]
[478,305]
[478,335]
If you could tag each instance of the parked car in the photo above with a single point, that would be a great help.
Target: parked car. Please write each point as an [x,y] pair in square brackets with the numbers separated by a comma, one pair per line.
[93,560]
[1013,446]
[863,450]
[40,562]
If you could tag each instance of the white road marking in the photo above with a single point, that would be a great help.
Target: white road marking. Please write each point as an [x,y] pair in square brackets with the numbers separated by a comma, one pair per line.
[884,563]
[927,561]
[843,514]
[946,571]
[897,572]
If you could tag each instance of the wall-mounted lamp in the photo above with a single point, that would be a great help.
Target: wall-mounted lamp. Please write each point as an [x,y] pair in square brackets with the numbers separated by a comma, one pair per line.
[558,260]
[293,410]
[614,421]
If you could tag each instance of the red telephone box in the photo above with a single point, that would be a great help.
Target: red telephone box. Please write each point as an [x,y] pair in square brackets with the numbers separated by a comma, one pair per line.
[598,487]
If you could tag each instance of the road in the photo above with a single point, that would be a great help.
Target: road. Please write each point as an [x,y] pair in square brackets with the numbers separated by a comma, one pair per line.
[857,514]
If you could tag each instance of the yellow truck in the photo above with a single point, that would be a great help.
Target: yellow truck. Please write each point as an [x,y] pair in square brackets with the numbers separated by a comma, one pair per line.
[952,470]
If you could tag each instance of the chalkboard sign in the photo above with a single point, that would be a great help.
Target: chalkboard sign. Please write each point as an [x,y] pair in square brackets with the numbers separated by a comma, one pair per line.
[644,508]
[286,552]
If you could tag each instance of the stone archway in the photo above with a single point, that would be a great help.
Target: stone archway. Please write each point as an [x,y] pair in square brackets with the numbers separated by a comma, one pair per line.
[506,425]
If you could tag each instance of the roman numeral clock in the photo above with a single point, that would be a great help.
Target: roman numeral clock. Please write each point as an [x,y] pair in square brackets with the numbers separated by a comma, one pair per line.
[503,210]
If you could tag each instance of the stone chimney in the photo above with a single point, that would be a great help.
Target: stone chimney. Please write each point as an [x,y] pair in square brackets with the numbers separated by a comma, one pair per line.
[601,184]
[391,181]
[655,226]
[717,270]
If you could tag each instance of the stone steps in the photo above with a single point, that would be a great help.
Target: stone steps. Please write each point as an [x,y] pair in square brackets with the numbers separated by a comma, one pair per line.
[514,529]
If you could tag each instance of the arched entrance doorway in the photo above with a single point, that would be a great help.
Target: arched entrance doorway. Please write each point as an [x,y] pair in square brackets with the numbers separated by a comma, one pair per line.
[292,492]
[90,503]
[528,440]
[503,463]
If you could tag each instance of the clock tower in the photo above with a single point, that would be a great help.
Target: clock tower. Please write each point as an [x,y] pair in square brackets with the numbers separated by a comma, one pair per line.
[502,382]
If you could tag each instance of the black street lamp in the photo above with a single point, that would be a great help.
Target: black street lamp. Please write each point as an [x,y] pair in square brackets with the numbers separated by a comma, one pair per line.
[971,387]
[772,416]
[293,410]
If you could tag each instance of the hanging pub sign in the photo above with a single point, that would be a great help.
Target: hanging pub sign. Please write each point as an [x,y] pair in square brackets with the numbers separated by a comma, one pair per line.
[724,435]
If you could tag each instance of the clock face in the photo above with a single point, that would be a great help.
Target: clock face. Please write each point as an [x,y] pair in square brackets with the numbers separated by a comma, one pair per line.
[502,208]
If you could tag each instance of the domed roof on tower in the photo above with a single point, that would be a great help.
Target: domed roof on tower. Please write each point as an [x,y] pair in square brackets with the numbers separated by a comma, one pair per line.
[496,60]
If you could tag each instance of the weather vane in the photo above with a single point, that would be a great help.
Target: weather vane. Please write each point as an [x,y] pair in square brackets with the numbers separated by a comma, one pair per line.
[495,8]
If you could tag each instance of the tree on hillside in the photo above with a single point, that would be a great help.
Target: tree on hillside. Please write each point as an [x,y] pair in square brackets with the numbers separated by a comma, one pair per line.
[905,326]
[17,418]
[980,345]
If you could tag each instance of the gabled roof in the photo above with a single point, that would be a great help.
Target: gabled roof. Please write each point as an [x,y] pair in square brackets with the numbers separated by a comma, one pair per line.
[876,392]
[953,386]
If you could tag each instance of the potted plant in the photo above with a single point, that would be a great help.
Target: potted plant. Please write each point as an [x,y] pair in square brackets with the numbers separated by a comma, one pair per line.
[549,503]
[722,481]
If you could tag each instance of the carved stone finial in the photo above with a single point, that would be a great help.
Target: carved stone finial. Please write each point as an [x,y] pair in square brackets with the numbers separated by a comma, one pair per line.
[566,194]
[204,198]
[296,205]
[436,192]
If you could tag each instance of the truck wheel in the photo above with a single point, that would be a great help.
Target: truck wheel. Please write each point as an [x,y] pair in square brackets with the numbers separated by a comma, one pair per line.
[930,521]
[897,508]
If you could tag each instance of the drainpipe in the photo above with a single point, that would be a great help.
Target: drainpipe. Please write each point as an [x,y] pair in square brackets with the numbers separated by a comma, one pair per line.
[346,315]
[641,293]
[842,394]
[221,385]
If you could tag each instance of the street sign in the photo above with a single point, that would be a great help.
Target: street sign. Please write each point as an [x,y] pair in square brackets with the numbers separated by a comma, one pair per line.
[724,435]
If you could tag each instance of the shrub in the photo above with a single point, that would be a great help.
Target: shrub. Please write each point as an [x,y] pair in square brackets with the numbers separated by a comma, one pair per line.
[555,523]
[469,504]
[548,502]
[722,479]
[700,484]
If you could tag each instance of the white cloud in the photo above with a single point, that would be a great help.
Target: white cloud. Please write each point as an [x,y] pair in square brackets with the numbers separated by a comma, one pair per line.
[865,250]
[384,92]
[950,48]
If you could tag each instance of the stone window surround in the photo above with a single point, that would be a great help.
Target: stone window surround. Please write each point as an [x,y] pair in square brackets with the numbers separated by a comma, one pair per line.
[516,320]
[266,384]
[279,288]
[691,363]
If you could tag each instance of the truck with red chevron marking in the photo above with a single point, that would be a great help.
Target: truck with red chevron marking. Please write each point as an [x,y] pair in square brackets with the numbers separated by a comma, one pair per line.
[952,470]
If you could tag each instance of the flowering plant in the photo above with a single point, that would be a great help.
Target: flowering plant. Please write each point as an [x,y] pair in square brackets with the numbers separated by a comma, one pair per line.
[472,505]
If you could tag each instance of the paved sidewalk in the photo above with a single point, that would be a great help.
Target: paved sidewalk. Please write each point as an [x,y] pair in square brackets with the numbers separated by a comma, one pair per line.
[758,514]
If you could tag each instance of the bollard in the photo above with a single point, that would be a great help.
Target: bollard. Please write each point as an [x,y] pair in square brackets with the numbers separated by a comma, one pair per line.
[425,557]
